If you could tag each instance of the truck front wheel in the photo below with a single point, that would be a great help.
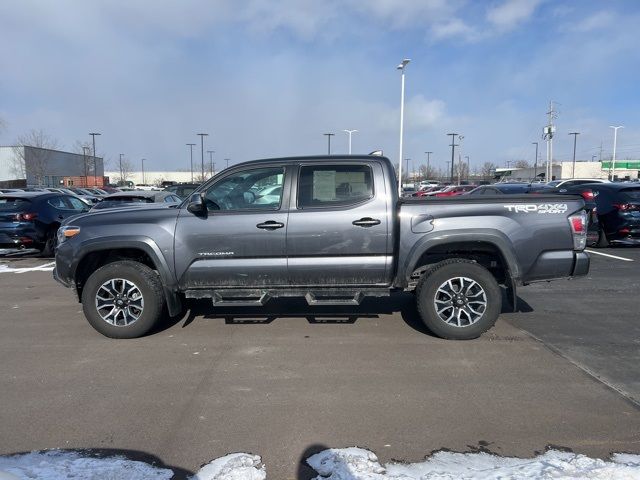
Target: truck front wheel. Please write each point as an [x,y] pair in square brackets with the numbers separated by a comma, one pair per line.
[123,299]
[458,299]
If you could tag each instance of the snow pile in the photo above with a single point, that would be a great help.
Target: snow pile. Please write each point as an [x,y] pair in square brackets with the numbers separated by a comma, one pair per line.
[64,465]
[236,466]
[359,464]
[59,465]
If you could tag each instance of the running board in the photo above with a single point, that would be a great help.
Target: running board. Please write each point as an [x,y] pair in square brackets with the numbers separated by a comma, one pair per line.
[314,297]
[239,299]
[334,298]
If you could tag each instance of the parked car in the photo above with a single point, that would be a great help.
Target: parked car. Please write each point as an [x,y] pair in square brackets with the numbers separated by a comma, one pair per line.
[426,191]
[618,207]
[454,190]
[11,190]
[339,234]
[31,219]
[408,191]
[136,198]
[575,181]
[183,190]
[501,189]
[86,195]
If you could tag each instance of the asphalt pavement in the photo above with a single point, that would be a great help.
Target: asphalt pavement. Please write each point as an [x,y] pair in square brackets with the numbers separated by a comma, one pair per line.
[284,385]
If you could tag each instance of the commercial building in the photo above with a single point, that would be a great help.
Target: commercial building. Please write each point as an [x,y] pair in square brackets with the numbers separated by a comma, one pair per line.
[26,166]
[625,170]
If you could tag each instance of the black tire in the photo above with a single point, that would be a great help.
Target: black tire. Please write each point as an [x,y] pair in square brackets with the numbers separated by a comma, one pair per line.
[49,247]
[602,239]
[149,286]
[437,277]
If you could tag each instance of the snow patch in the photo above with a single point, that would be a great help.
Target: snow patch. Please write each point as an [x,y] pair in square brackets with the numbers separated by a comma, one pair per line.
[359,464]
[236,466]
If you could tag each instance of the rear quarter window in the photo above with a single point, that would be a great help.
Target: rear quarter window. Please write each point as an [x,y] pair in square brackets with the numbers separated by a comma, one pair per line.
[13,204]
[334,185]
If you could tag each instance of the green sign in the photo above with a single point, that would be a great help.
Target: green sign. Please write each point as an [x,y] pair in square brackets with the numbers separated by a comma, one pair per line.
[622,165]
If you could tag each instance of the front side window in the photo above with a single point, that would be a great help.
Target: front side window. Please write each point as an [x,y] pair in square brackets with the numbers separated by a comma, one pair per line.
[334,185]
[258,188]
[77,204]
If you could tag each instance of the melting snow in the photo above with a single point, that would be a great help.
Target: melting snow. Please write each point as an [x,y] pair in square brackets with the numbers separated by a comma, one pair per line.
[333,464]
[47,267]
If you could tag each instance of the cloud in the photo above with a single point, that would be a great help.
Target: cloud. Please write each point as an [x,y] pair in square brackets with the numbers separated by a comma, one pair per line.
[511,13]
[404,13]
[454,28]
[597,21]
[420,113]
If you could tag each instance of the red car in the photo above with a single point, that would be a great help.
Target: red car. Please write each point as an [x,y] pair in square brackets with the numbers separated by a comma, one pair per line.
[455,190]
[426,191]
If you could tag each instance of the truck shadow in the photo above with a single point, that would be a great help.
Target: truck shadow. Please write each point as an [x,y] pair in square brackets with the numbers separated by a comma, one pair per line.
[402,303]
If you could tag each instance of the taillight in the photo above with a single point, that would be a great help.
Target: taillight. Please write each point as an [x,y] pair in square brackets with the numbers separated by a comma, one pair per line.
[588,195]
[621,206]
[25,217]
[578,223]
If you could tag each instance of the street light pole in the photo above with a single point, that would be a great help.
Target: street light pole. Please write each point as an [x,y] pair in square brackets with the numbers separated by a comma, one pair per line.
[613,159]
[535,163]
[121,173]
[401,67]
[428,158]
[93,138]
[202,135]
[191,145]
[329,135]
[143,182]
[453,147]
[350,132]
[468,168]
[211,152]
[84,157]
[227,160]
[575,136]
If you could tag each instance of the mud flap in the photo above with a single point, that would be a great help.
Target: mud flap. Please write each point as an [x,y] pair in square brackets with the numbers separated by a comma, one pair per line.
[512,295]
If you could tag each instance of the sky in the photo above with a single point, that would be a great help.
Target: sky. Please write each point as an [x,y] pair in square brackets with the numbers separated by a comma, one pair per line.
[266,78]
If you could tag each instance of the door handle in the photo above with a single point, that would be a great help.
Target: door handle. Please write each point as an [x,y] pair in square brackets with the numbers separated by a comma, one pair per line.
[366,222]
[270,225]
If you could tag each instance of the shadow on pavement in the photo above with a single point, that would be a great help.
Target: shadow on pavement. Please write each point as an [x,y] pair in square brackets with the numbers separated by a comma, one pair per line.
[305,472]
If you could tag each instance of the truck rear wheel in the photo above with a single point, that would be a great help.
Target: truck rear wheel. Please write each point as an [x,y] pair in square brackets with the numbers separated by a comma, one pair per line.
[458,299]
[123,299]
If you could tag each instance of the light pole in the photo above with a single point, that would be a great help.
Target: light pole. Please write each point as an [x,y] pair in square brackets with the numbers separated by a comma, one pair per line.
[453,147]
[211,152]
[350,132]
[428,158]
[142,160]
[93,139]
[468,168]
[86,173]
[121,172]
[613,159]
[401,67]
[202,135]
[227,160]
[191,145]
[535,162]
[407,160]
[575,136]
[329,135]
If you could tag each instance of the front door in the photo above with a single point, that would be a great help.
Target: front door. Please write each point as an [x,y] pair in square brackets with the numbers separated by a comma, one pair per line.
[240,241]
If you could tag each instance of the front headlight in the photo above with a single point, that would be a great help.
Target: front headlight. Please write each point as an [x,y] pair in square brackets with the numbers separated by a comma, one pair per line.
[67,232]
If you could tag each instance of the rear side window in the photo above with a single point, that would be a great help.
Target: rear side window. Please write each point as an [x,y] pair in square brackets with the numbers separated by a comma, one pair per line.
[58,202]
[631,193]
[13,204]
[334,185]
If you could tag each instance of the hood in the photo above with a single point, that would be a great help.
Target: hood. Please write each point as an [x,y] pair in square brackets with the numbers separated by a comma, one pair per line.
[151,212]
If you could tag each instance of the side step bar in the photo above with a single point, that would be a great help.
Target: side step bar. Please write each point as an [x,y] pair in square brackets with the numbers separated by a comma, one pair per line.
[258,298]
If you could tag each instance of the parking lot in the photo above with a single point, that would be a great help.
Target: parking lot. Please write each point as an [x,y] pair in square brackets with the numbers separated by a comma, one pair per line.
[561,371]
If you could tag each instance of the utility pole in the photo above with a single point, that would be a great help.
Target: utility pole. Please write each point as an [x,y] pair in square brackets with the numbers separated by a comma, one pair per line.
[549,131]
[202,135]
[575,136]
[453,147]
[191,145]
[612,170]
[447,170]
[143,182]
[535,162]
[428,158]
[212,165]
[350,132]
[459,168]
[121,172]
[329,135]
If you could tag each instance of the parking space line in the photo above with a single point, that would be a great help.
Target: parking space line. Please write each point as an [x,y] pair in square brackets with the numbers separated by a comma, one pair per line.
[610,256]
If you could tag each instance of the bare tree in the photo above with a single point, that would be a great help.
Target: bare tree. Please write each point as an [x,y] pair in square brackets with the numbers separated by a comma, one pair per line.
[39,156]
[521,164]
[86,163]
[488,169]
[125,171]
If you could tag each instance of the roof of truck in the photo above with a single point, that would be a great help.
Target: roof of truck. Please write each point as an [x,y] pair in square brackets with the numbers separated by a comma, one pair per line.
[315,158]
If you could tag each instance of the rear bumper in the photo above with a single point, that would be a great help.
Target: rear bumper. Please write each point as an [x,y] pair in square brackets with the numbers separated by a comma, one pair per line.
[558,264]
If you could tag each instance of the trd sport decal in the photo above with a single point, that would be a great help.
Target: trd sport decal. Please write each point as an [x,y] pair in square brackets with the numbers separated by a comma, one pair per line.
[542,208]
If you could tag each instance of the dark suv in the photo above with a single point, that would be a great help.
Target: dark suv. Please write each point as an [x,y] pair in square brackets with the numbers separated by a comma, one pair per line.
[183,190]
[618,212]
[31,219]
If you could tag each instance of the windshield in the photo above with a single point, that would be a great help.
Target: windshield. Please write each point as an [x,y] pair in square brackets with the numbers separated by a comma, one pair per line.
[632,194]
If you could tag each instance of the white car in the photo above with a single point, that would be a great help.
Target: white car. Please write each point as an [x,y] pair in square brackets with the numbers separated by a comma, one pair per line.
[576,181]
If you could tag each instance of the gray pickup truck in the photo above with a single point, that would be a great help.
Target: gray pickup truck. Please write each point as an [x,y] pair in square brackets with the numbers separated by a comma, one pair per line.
[329,229]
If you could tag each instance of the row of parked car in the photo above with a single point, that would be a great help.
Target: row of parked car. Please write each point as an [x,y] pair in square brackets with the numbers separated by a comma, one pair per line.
[30,217]
[613,207]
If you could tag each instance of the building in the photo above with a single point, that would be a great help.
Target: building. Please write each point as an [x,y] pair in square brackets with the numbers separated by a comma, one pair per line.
[156,177]
[26,166]
[625,170]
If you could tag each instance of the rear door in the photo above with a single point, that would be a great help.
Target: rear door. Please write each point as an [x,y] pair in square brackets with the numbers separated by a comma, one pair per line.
[240,242]
[339,232]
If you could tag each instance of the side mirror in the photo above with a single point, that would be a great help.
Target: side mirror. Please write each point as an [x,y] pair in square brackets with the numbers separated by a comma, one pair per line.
[196,205]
